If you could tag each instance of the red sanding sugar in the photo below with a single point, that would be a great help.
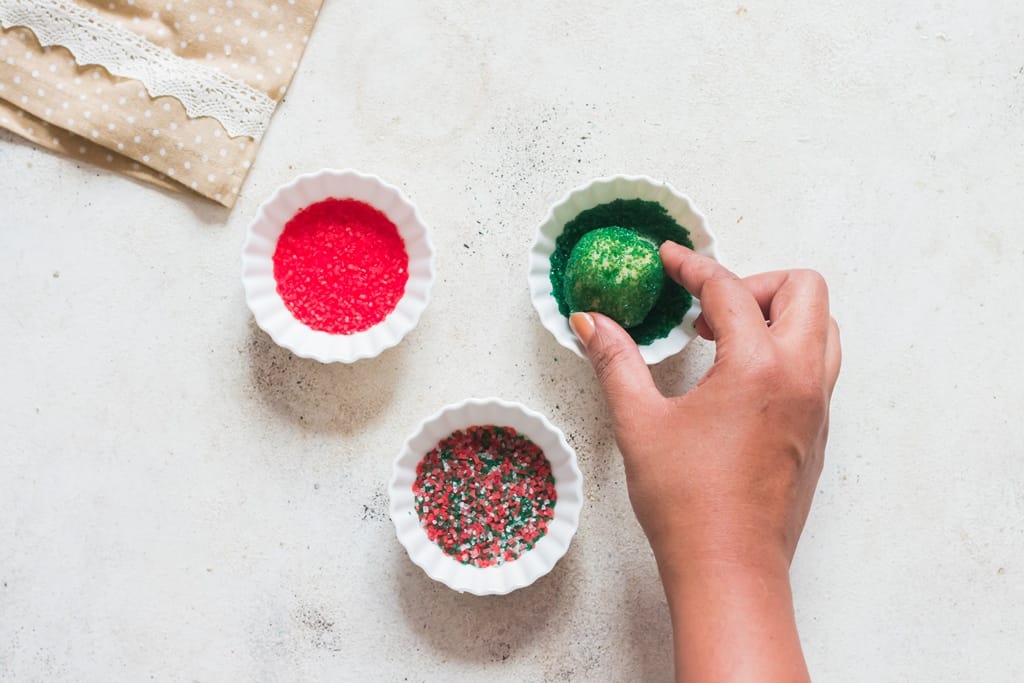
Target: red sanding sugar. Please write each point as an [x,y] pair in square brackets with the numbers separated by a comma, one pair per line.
[340,266]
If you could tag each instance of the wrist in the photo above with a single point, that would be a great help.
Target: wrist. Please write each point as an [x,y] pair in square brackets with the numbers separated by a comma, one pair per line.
[722,574]
[732,617]
[718,547]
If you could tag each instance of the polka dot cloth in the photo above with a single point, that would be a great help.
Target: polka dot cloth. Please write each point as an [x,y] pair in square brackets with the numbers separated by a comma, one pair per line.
[113,122]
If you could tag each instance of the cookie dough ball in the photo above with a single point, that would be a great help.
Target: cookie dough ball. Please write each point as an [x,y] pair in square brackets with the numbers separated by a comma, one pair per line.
[616,272]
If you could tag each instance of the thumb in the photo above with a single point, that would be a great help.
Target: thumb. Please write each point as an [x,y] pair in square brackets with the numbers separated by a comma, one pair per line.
[621,371]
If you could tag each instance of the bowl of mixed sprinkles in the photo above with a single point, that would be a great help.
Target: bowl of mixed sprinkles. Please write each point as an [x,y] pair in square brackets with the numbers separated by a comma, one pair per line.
[337,266]
[486,496]
[596,250]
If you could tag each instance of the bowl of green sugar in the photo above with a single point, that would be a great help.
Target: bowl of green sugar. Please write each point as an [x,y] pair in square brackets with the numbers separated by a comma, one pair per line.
[597,250]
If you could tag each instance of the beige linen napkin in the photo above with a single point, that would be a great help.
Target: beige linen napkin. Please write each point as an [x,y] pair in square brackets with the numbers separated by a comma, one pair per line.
[174,92]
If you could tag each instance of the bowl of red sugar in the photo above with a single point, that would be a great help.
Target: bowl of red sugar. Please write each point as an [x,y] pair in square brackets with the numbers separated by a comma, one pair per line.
[337,266]
[486,496]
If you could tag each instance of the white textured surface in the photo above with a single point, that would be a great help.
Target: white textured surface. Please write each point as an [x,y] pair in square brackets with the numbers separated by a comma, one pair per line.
[182,500]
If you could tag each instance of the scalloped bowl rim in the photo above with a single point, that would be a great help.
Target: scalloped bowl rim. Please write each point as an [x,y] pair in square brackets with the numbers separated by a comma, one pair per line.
[531,565]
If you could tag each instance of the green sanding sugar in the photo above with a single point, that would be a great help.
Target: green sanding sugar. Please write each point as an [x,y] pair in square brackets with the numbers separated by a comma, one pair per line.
[651,221]
[616,272]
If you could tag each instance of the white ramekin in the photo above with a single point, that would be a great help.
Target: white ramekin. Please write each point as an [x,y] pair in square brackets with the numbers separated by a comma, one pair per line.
[261,293]
[602,191]
[532,564]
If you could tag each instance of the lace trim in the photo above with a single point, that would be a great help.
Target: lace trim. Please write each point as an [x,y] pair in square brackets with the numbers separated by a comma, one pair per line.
[93,40]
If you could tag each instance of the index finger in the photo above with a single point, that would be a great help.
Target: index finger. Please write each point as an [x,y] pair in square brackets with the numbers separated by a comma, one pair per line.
[728,307]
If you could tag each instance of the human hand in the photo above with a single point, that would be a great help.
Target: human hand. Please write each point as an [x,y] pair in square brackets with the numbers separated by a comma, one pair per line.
[721,479]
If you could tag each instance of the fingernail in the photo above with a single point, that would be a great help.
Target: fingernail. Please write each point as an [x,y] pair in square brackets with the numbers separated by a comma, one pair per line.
[582,326]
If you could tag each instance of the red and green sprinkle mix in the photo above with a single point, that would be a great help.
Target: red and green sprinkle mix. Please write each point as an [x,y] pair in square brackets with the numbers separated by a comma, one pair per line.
[485,494]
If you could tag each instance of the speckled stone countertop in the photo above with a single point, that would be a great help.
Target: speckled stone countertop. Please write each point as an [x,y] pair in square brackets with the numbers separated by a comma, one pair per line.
[180,499]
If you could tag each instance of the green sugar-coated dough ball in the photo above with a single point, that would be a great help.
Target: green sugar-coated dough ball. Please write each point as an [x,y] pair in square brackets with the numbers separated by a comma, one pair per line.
[616,272]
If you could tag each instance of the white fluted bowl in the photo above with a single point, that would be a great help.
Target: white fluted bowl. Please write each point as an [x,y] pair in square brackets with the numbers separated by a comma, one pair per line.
[500,578]
[602,191]
[261,293]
